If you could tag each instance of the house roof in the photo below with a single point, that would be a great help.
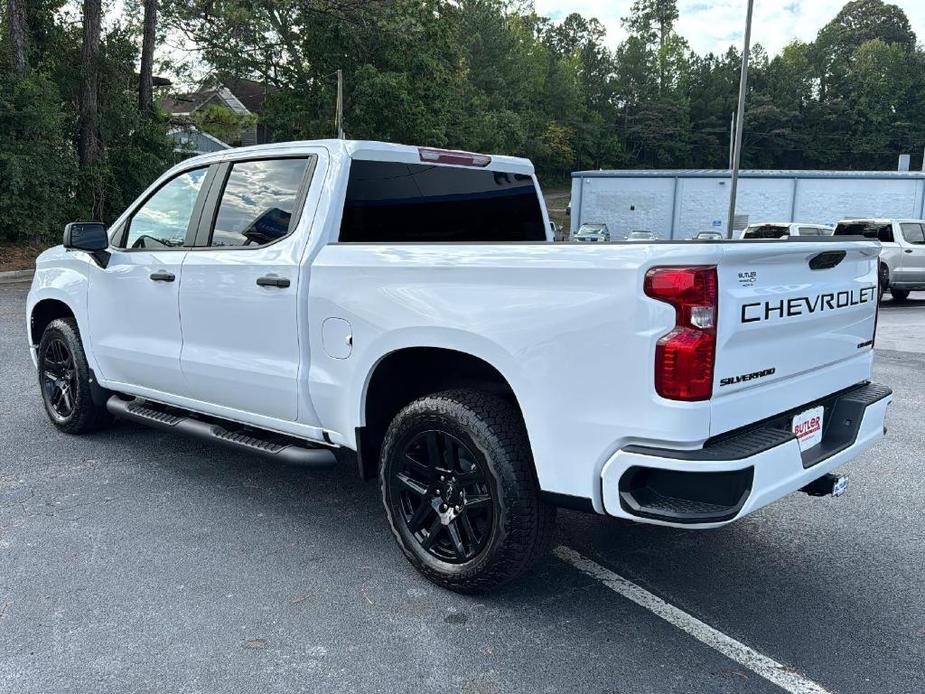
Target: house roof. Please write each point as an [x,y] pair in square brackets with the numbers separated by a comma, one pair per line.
[185,104]
[249,92]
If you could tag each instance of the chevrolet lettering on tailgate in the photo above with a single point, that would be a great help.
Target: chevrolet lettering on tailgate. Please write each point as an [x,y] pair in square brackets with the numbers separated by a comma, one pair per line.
[802,305]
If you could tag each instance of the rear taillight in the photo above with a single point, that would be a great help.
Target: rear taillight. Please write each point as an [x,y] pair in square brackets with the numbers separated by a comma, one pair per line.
[684,357]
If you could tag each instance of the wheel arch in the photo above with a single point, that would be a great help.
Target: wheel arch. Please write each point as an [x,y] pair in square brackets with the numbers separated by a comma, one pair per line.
[405,374]
[44,312]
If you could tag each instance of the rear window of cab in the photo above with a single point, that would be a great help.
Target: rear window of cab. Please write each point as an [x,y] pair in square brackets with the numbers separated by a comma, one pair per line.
[398,202]
[766,231]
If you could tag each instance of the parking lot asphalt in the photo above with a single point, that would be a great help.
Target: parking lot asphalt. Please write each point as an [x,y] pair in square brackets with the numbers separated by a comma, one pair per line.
[136,561]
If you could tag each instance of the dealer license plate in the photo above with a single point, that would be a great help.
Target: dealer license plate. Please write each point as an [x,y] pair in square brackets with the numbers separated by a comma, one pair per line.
[807,427]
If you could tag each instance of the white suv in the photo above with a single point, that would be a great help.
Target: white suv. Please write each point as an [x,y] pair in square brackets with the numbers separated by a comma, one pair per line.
[902,257]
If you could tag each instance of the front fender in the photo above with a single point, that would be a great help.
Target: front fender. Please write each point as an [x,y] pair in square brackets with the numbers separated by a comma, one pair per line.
[60,276]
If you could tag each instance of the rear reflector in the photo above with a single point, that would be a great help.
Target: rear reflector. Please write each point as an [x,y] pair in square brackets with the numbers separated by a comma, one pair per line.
[451,156]
[684,358]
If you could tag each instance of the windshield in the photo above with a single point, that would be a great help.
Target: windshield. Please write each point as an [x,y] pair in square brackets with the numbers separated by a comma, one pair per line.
[815,231]
[766,231]
[590,230]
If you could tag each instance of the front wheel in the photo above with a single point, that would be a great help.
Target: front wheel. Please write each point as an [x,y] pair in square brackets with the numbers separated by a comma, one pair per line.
[64,378]
[899,294]
[460,491]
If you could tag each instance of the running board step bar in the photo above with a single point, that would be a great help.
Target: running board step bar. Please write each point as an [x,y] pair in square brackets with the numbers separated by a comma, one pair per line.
[283,449]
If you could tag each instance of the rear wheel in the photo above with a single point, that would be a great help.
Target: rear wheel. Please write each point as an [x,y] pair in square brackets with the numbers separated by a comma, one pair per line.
[899,294]
[64,378]
[460,491]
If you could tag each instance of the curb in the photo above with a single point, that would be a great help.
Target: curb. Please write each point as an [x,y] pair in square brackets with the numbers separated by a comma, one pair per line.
[16,276]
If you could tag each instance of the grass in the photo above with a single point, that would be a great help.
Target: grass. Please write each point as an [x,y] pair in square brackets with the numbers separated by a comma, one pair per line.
[556,201]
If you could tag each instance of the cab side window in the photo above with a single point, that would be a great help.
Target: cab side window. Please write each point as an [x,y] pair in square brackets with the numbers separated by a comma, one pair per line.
[162,221]
[913,233]
[258,202]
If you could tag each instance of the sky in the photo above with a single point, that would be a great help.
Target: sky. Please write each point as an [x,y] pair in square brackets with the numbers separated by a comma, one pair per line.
[712,25]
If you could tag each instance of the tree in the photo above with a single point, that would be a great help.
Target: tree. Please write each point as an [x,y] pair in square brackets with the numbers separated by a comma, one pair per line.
[17,30]
[146,73]
[223,123]
[88,138]
[856,23]
[653,22]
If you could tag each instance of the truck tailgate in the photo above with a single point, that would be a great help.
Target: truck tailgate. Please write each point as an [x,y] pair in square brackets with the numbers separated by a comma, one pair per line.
[796,323]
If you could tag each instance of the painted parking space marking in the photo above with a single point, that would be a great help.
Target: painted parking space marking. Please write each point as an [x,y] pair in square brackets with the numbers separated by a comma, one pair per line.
[768,668]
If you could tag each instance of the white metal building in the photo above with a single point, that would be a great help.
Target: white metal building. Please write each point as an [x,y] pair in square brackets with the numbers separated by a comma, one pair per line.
[680,203]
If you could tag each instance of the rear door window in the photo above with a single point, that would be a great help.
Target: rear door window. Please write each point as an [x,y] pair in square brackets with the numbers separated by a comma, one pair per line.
[913,233]
[396,202]
[258,202]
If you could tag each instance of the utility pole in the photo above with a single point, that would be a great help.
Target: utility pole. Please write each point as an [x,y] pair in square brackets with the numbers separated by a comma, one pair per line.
[339,118]
[740,120]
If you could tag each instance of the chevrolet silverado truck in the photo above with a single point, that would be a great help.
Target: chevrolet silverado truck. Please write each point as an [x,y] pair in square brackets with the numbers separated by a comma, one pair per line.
[409,304]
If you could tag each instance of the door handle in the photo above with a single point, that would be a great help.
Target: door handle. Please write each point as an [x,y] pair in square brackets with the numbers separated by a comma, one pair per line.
[272,281]
[907,250]
[163,276]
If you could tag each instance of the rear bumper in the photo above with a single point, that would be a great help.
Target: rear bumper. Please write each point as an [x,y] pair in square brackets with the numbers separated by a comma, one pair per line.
[738,473]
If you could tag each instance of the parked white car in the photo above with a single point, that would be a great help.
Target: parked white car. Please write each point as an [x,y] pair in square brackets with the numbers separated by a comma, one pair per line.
[902,252]
[592,233]
[409,304]
[642,235]
[708,236]
[784,230]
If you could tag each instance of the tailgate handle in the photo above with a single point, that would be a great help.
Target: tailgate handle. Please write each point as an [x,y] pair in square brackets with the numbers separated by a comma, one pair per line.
[826,260]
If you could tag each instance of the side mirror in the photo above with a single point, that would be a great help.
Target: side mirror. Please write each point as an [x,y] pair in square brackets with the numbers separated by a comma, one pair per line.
[86,236]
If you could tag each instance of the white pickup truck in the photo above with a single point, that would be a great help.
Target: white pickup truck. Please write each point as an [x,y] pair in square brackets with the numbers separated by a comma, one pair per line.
[408,303]
[902,252]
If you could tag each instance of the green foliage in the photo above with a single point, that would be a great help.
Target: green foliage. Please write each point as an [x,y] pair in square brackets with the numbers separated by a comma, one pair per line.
[484,75]
[37,159]
[42,186]
[223,123]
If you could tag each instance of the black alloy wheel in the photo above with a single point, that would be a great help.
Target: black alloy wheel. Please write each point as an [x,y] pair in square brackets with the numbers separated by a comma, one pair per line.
[441,492]
[66,381]
[460,490]
[59,378]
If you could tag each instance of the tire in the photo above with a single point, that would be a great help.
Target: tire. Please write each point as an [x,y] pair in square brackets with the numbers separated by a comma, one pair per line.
[884,281]
[899,294]
[490,493]
[64,380]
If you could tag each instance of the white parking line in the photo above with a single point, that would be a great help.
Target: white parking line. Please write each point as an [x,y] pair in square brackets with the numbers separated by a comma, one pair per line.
[770,669]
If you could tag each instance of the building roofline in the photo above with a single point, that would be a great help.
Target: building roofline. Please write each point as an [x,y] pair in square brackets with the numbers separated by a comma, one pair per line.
[750,173]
